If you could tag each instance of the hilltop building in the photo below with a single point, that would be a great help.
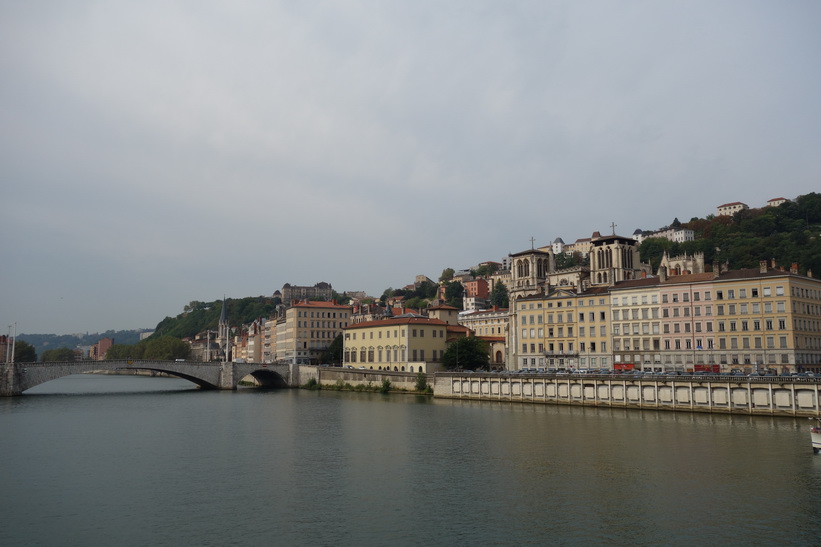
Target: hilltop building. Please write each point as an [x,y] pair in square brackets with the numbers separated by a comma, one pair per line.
[729,209]
[294,293]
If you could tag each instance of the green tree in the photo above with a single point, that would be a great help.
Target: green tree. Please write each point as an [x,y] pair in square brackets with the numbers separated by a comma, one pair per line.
[453,293]
[58,354]
[333,354]
[467,353]
[416,303]
[24,352]
[343,299]
[447,274]
[166,348]
[421,381]
[499,296]
[485,270]
[126,351]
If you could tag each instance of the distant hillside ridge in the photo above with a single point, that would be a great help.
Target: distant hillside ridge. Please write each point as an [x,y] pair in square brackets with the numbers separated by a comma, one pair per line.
[43,342]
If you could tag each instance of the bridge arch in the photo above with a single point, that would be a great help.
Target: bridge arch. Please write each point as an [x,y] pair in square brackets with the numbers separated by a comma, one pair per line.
[16,378]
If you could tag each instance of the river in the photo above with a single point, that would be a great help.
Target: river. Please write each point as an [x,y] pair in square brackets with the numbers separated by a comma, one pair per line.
[122,460]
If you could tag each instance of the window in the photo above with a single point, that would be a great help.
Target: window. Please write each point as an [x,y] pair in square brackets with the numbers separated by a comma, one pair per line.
[731,293]
[754,292]
[767,291]
[779,291]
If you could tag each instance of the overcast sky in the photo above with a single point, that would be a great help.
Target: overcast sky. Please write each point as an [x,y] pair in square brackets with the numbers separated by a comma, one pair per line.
[154,153]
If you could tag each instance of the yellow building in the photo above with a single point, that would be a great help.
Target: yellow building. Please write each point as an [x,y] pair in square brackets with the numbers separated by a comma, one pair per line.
[594,327]
[768,318]
[407,343]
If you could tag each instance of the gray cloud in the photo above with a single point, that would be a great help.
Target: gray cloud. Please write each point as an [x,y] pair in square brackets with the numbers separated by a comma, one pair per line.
[159,152]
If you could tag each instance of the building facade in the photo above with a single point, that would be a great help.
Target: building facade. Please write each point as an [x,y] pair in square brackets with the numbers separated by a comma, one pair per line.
[408,343]
[291,293]
[308,328]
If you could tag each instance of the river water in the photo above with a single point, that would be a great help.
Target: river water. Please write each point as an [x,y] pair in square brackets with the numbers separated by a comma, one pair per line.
[120,460]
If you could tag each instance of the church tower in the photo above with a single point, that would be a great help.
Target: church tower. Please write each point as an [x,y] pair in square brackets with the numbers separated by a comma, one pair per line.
[224,332]
[614,258]
[529,272]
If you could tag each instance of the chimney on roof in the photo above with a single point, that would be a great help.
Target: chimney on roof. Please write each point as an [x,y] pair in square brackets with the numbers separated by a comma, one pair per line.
[809,272]
[794,268]
[663,274]
[716,269]
[772,263]
[762,266]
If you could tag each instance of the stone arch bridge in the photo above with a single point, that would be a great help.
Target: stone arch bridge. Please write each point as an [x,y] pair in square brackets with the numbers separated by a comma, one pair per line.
[15,378]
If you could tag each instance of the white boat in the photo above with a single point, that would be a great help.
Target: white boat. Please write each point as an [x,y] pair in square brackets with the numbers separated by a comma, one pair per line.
[815,436]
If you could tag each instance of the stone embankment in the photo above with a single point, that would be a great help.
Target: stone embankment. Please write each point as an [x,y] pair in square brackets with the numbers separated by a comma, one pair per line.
[770,396]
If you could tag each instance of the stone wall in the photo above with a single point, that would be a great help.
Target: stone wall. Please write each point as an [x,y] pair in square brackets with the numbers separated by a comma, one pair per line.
[331,375]
[771,397]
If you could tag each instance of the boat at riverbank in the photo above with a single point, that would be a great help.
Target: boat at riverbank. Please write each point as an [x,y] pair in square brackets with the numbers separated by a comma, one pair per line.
[815,436]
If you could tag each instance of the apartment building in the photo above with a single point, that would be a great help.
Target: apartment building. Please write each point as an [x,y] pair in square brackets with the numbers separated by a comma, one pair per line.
[594,324]
[307,328]
[687,322]
[768,318]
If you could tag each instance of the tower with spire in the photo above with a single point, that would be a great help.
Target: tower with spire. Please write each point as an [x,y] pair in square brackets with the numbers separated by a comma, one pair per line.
[224,332]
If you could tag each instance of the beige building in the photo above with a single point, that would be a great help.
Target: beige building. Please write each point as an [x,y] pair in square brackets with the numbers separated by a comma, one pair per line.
[729,209]
[291,293]
[307,328]
[408,343]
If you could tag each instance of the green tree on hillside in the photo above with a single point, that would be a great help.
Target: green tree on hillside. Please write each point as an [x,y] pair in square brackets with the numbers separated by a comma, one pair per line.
[454,291]
[499,296]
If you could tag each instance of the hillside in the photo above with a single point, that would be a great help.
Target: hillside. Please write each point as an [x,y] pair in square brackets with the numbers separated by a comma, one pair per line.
[43,342]
[790,233]
[199,316]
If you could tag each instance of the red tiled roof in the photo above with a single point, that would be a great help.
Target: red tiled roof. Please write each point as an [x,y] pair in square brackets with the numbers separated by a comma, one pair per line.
[733,203]
[443,307]
[410,320]
[631,283]
[690,278]
[319,304]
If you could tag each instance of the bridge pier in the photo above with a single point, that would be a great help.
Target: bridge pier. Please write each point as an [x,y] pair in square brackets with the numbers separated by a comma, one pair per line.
[10,380]
[226,376]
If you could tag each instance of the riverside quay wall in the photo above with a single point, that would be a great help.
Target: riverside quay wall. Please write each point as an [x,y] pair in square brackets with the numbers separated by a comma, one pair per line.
[770,396]
[329,376]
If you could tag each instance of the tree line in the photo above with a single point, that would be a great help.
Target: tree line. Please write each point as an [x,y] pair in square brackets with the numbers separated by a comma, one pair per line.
[789,233]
